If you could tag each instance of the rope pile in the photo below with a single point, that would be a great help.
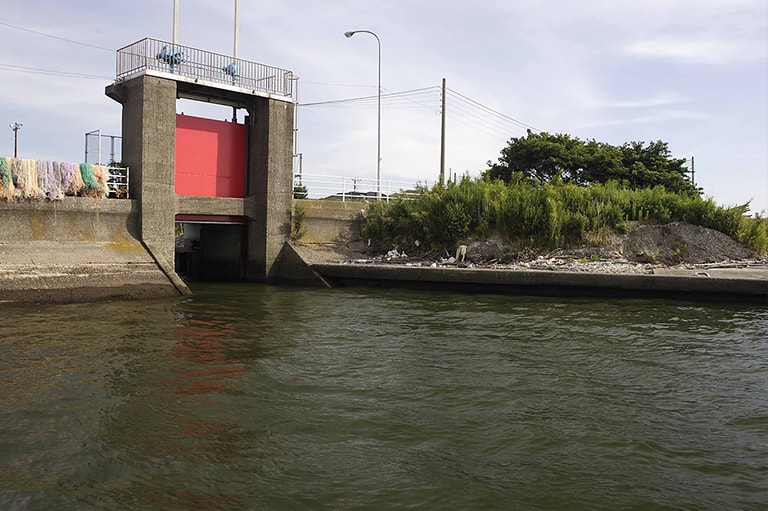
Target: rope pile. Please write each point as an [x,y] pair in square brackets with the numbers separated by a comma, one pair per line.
[6,180]
[52,180]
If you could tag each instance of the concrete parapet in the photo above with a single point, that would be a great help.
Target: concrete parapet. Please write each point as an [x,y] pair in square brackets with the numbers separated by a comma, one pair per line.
[70,219]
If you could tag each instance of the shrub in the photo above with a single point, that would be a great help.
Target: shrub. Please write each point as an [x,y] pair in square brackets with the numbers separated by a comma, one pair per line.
[298,229]
[546,216]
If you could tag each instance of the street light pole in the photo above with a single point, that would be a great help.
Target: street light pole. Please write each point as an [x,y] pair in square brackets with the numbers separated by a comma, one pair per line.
[378,137]
[15,126]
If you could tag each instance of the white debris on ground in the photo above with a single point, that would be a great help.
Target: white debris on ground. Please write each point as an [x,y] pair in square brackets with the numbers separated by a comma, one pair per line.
[543,263]
[647,249]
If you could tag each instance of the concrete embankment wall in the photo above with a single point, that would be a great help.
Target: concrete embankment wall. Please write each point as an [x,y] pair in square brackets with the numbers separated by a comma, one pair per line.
[717,285]
[77,249]
[335,222]
[328,221]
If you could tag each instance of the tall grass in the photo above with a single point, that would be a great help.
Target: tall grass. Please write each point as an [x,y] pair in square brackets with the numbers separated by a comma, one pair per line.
[554,214]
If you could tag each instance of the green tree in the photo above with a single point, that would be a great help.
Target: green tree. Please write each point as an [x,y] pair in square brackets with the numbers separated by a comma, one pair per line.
[653,165]
[542,158]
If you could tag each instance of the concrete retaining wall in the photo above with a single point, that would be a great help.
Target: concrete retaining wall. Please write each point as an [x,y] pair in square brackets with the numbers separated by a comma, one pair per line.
[727,286]
[331,221]
[73,219]
[77,249]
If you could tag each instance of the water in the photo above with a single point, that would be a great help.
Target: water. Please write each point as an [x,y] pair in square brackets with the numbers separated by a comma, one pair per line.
[255,397]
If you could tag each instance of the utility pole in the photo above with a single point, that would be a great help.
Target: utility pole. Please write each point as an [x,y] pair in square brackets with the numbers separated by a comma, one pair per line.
[693,172]
[442,138]
[15,126]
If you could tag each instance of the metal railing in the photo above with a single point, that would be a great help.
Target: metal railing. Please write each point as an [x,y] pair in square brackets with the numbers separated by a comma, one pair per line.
[117,182]
[343,188]
[198,65]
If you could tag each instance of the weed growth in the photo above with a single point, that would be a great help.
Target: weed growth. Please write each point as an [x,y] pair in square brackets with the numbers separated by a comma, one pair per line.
[550,215]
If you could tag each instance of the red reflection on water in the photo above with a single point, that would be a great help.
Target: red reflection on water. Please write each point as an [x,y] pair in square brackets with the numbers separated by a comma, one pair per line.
[209,366]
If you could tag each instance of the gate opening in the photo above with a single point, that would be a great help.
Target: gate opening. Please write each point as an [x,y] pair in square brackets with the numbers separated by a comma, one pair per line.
[211,249]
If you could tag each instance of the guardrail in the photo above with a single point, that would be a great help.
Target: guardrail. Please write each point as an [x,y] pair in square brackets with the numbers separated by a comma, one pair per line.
[306,186]
[159,56]
[344,188]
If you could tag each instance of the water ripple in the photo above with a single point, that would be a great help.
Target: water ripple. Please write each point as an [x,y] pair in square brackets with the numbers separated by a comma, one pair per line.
[253,397]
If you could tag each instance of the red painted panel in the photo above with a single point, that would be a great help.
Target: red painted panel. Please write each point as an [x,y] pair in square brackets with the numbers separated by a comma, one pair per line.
[210,157]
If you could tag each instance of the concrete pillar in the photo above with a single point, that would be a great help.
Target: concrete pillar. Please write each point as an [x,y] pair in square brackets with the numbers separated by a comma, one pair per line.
[269,185]
[149,145]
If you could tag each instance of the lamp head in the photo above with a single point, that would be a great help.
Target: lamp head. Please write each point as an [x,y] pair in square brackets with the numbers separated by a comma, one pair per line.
[348,34]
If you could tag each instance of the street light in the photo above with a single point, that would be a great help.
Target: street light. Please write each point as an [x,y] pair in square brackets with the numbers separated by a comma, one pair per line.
[15,126]
[378,138]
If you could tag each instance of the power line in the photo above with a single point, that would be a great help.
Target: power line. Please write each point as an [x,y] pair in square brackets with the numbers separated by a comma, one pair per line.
[56,37]
[67,74]
[494,112]
[368,98]
[480,116]
[326,84]
[471,112]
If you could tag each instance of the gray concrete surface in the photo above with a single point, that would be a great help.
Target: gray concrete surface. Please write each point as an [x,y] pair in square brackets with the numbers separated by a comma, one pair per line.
[77,249]
[57,271]
[270,185]
[331,220]
[717,285]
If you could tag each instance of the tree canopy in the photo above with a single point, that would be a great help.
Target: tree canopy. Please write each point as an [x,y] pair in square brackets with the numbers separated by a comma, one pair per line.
[542,157]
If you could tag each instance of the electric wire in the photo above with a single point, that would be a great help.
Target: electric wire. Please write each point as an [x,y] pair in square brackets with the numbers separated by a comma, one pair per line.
[51,72]
[492,111]
[459,107]
[493,123]
[489,122]
[367,98]
[56,37]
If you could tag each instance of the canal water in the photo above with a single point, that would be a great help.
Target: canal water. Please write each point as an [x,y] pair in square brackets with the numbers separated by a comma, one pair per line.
[255,397]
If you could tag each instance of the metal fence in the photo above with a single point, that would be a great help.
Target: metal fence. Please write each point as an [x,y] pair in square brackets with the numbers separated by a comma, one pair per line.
[343,188]
[96,143]
[202,66]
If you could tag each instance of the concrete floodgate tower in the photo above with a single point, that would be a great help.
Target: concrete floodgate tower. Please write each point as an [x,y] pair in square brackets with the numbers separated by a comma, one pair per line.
[229,184]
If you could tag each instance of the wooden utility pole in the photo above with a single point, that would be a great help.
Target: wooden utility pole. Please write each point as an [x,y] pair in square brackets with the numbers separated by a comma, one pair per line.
[442,138]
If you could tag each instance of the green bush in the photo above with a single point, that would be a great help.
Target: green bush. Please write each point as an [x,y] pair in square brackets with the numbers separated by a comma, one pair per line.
[298,229]
[753,232]
[546,215]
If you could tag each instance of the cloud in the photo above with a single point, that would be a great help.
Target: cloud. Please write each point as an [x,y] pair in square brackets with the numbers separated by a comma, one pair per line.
[661,99]
[696,50]
[650,118]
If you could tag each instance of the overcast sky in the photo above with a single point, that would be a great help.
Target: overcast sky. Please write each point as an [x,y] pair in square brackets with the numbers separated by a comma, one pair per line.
[693,73]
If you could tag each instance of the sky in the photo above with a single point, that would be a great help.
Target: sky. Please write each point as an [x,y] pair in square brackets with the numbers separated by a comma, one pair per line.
[692,73]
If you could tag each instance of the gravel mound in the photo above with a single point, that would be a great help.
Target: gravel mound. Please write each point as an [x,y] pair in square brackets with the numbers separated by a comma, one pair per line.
[680,242]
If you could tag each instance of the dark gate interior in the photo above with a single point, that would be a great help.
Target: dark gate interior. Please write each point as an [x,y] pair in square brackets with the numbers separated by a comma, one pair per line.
[210,251]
